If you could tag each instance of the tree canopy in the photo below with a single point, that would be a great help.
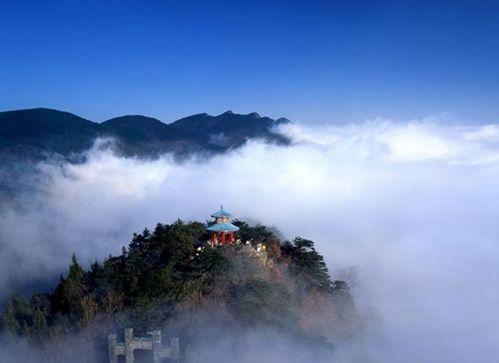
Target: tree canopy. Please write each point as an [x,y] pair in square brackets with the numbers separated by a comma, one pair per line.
[165,271]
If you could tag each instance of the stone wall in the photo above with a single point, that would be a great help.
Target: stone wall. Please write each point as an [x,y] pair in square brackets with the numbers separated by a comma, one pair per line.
[132,343]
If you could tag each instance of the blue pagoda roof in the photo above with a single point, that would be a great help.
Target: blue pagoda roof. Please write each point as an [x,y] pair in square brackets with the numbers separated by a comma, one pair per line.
[221,213]
[223,227]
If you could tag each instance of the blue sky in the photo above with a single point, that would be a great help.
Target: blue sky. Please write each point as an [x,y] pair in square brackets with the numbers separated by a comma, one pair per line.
[313,61]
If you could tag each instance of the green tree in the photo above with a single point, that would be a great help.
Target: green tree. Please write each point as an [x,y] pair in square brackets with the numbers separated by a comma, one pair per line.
[259,302]
[308,264]
[255,234]
[68,298]
[17,316]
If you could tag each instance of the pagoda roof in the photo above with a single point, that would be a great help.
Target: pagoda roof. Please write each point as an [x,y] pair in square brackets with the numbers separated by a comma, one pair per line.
[223,227]
[221,213]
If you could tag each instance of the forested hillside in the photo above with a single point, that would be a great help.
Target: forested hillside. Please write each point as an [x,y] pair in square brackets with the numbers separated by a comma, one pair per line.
[170,279]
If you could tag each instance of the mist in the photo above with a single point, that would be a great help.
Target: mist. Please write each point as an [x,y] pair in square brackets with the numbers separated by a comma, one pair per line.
[406,212]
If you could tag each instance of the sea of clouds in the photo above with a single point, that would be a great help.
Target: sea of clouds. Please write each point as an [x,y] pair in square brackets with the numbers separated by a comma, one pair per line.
[407,212]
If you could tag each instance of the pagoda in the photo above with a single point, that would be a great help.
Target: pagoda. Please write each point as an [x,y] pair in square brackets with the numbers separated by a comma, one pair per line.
[223,230]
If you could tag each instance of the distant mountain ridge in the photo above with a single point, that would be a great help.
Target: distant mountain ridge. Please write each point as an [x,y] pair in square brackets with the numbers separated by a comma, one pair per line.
[229,129]
[35,134]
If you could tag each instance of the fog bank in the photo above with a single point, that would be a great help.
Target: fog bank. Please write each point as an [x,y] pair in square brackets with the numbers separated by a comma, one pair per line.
[407,212]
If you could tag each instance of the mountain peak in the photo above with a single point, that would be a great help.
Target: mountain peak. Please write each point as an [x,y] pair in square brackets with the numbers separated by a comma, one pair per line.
[131,120]
[282,120]
[254,115]
[228,112]
[40,113]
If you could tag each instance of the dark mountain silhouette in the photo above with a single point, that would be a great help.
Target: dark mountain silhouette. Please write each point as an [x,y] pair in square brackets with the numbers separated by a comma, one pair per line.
[230,129]
[35,134]
[147,136]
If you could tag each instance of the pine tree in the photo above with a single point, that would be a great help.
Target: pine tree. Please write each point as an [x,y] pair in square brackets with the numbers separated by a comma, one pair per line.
[70,292]
[308,264]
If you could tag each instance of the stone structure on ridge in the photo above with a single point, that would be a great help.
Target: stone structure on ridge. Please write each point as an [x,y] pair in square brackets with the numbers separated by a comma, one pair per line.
[132,343]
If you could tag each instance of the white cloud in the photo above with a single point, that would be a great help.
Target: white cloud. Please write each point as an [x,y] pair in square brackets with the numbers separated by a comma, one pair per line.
[414,207]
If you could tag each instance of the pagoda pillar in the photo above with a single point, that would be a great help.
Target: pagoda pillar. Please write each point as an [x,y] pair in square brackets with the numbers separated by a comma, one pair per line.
[223,238]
